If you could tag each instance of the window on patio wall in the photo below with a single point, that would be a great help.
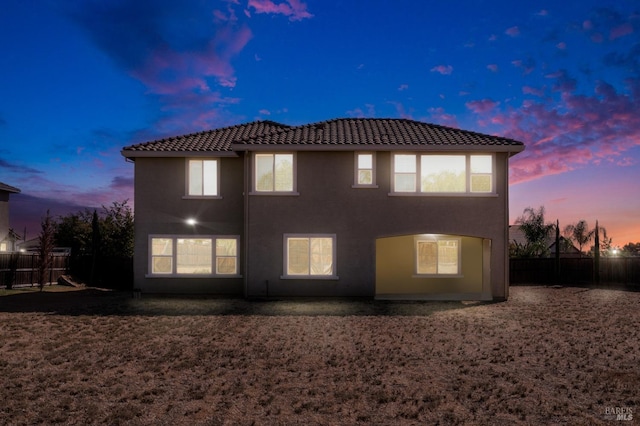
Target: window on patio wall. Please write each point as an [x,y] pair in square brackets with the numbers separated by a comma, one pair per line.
[438,256]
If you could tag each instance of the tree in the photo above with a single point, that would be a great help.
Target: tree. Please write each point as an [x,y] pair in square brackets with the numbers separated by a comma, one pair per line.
[116,231]
[579,233]
[631,249]
[46,240]
[536,231]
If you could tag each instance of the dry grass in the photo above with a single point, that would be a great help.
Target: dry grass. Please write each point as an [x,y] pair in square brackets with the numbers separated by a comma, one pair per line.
[547,356]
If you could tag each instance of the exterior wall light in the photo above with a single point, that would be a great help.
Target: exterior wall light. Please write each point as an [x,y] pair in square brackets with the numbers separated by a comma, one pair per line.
[191,221]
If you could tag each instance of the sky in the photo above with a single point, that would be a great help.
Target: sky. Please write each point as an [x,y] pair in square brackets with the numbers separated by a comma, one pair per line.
[79,80]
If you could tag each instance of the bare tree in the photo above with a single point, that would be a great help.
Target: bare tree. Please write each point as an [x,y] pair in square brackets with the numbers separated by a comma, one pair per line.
[46,240]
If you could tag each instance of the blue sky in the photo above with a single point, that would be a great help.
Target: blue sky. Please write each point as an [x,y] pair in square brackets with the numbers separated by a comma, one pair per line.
[81,79]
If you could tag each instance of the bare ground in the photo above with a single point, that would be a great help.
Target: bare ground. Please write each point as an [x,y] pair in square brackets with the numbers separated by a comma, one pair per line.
[546,356]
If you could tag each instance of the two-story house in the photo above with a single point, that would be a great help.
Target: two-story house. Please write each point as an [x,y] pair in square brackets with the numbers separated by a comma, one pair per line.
[381,208]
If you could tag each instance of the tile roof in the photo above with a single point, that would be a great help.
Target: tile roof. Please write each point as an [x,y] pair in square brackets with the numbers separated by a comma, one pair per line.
[210,140]
[346,133]
[8,188]
[374,131]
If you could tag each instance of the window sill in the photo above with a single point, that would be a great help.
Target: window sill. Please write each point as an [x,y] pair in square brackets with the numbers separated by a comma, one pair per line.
[310,277]
[364,186]
[274,193]
[437,276]
[445,194]
[201,197]
[183,276]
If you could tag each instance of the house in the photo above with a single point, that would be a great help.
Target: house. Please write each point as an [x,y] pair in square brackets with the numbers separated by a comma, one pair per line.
[8,238]
[567,249]
[378,208]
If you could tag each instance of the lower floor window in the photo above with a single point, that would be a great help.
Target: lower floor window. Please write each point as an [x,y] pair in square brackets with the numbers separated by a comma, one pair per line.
[309,255]
[438,256]
[202,255]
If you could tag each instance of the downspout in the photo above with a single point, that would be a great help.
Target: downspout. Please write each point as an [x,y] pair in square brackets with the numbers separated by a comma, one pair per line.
[245,260]
[507,261]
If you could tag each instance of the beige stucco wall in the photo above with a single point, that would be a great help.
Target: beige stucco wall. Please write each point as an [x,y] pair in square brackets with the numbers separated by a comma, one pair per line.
[395,270]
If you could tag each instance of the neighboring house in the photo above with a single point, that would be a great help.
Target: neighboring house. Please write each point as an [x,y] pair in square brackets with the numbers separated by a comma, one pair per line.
[384,208]
[8,238]
[567,249]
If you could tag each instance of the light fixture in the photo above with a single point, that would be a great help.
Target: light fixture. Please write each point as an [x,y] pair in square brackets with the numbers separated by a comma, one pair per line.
[191,221]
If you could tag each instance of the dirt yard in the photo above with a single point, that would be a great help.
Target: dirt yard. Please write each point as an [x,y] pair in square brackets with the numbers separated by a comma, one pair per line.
[547,356]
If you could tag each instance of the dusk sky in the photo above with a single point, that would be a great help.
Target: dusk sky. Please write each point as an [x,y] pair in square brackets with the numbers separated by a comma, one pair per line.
[79,80]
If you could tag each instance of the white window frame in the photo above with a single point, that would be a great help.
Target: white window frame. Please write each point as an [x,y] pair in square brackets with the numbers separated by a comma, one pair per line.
[174,256]
[254,179]
[468,176]
[357,169]
[188,195]
[310,276]
[435,239]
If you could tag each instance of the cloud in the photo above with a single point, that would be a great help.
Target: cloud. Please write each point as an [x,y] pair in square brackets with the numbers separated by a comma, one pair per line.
[294,9]
[574,131]
[492,67]
[179,51]
[513,31]
[443,69]
[403,87]
[482,106]
[527,65]
[620,31]
[439,116]
[17,168]
[369,111]
[528,90]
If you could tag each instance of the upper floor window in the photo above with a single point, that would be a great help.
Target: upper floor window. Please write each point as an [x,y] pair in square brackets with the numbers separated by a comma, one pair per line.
[200,255]
[203,178]
[365,172]
[274,173]
[443,174]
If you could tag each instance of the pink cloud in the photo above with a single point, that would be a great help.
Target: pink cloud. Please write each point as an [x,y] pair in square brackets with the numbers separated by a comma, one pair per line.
[620,31]
[492,67]
[543,12]
[513,31]
[294,9]
[443,69]
[577,131]
[528,90]
[403,87]
[439,116]
[482,106]
[562,45]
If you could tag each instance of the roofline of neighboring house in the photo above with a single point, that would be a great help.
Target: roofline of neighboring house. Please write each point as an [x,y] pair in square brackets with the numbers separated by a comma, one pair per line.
[9,188]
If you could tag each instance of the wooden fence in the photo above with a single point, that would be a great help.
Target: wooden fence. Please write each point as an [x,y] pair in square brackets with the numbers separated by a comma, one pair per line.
[618,271]
[22,268]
